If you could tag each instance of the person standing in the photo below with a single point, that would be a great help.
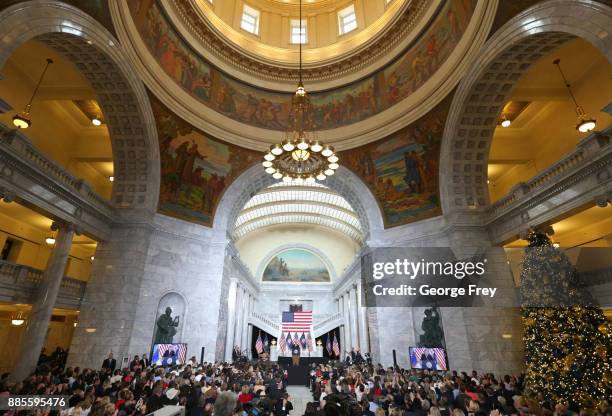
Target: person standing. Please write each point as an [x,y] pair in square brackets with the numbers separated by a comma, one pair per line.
[295,353]
[109,363]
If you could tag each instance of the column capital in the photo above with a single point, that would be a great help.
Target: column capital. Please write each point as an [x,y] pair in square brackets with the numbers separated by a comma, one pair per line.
[65,225]
[7,195]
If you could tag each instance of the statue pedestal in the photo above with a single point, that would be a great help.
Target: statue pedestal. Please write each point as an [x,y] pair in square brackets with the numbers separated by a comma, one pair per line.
[319,351]
[274,353]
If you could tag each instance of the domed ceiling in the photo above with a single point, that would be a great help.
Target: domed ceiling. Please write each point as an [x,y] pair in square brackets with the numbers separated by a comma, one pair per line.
[324,41]
[401,60]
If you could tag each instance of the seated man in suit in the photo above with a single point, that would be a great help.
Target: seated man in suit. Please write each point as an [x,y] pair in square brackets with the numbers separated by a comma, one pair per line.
[295,353]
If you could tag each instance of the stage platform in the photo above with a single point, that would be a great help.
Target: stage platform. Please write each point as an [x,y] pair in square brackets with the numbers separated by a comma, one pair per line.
[307,361]
[299,375]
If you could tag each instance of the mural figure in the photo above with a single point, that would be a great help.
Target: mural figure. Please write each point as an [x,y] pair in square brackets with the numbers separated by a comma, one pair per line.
[195,169]
[166,327]
[296,265]
[331,109]
[402,169]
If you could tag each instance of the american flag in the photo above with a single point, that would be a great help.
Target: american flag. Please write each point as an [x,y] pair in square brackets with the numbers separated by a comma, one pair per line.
[296,321]
[180,351]
[309,341]
[282,343]
[296,340]
[259,347]
[336,346]
[438,353]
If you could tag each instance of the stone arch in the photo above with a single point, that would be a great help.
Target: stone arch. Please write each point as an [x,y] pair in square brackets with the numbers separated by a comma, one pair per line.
[479,99]
[345,182]
[123,99]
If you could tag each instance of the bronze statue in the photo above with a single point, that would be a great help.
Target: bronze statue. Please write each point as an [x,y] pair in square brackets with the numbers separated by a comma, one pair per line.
[433,335]
[166,327]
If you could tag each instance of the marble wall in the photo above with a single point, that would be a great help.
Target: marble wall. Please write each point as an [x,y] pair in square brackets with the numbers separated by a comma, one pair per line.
[143,263]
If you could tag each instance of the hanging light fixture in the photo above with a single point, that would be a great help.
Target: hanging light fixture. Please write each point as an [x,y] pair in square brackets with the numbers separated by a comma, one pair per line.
[23,120]
[50,239]
[505,121]
[300,156]
[18,320]
[96,121]
[585,123]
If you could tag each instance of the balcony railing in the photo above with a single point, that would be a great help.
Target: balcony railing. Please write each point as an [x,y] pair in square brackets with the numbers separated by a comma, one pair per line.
[18,284]
[327,320]
[263,318]
[572,181]
[45,183]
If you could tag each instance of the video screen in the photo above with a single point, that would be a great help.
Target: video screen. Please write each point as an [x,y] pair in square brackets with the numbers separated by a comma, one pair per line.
[428,358]
[169,354]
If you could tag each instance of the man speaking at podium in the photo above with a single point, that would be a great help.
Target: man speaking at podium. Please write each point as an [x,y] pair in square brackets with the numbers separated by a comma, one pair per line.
[295,353]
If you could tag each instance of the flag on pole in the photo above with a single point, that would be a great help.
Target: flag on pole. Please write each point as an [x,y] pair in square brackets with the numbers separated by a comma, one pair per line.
[266,343]
[289,342]
[282,343]
[336,346]
[296,340]
[259,344]
[328,345]
[303,342]
[309,341]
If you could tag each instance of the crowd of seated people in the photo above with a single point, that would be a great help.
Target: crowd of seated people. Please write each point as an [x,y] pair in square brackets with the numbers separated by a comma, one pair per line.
[365,390]
[259,389]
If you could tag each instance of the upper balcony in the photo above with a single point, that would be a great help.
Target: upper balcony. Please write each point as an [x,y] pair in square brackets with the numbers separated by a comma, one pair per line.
[19,283]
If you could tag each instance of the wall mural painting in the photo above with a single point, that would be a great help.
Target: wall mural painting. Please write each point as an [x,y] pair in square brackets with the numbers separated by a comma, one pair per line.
[195,168]
[331,109]
[402,169]
[296,265]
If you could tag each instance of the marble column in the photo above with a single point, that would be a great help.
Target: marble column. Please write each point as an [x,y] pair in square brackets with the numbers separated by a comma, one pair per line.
[347,319]
[42,307]
[231,319]
[343,327]
[239,315]
[353,316]
[245,319]
[250,340]
[364,344]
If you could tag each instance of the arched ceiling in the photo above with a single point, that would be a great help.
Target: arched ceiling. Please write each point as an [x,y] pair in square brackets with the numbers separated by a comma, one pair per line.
[298,203]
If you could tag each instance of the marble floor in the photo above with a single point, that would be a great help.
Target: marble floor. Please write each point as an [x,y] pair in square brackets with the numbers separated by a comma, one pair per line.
[299,396]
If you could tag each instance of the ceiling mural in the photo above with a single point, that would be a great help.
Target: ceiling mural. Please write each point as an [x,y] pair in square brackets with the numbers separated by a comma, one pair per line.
[331,109]
[195,168]
[296,265]
[402,169]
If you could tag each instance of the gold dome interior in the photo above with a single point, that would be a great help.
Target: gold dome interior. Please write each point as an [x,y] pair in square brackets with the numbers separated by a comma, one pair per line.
[325,36]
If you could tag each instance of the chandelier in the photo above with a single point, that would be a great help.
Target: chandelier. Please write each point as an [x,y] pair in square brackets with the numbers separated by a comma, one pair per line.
[300,156]
[585,123]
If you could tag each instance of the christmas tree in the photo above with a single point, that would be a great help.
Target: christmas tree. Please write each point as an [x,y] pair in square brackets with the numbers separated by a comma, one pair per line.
[568,343]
